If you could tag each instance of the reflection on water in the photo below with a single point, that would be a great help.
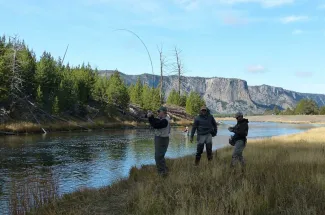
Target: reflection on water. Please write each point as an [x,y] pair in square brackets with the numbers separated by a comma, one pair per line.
[55,164]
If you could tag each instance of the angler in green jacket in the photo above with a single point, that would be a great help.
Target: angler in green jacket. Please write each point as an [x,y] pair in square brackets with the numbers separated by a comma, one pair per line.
[206,128]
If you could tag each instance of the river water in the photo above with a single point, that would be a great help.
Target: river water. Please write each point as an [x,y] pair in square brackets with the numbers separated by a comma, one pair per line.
[65,162]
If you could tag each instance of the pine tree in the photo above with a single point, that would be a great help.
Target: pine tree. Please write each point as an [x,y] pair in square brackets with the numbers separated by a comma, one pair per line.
[55,107]
[99,92]
[173,98]
[276,110]
[136,93]
[39,96]
[182,101]
[155,101]
[48,77]
[193,103]
[306,107]
[322,110]
[146,97]
[117,91]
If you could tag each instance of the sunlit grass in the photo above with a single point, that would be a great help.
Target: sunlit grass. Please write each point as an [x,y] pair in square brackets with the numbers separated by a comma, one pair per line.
[292,119]
[27,127]
[284,175]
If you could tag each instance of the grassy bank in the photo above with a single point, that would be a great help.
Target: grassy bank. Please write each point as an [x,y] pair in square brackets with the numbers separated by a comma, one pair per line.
[284,175]
[27,127]
[294,119]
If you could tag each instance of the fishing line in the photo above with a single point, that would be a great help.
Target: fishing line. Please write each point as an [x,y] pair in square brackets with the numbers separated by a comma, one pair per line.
[134,34]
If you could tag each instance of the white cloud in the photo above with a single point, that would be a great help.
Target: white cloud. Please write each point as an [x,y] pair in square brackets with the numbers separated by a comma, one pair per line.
[195,4]
[264,3]
[256,69]
[297,31]
[291,19]
[134,5]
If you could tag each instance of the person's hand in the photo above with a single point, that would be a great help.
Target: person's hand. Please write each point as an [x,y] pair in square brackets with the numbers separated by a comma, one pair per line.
[149,114]
[231,129]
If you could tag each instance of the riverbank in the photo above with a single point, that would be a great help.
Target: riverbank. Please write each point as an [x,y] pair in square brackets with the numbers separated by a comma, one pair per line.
[32,128]
[291,119]
[284,175]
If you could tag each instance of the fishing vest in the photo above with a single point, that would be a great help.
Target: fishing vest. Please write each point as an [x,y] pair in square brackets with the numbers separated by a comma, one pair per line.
[163,132]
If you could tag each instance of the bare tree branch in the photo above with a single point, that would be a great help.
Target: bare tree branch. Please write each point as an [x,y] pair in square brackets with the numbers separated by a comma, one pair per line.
[16,80]
[163,64]
[178,67]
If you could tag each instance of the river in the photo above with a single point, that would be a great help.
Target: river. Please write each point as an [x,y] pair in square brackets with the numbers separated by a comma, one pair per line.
[58,163]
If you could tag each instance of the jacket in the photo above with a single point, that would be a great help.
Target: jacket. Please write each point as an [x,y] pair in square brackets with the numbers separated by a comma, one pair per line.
[161,126]
[241,130]
[204,124]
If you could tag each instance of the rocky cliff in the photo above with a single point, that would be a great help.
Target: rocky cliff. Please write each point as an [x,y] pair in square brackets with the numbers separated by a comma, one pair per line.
[225,95]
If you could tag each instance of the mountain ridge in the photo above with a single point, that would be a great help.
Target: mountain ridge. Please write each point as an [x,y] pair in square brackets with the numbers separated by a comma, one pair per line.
[227,95]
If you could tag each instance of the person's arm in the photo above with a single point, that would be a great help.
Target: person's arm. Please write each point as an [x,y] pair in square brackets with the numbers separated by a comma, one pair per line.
[158,123]
[194,128]
[241,130]
[215,125]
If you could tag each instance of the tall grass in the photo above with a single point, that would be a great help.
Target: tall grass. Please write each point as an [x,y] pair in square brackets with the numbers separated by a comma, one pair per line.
[32,192]
[27,127]
[283,176]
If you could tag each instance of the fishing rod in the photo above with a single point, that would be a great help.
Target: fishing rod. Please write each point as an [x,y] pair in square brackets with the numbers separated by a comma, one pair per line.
[127,30]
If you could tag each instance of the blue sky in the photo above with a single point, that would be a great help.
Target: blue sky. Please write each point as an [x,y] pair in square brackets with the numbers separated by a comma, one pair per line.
[274,42]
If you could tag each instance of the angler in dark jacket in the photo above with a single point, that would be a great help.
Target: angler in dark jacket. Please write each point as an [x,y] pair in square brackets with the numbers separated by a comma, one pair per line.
[239,138]
[206,128]
[162,131]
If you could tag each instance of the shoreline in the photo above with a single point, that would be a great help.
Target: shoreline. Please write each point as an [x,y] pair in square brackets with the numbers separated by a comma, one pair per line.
[141,181]
[285,119]
[26,128]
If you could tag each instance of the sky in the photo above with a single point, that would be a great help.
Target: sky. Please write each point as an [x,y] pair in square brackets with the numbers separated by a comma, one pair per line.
[274,42]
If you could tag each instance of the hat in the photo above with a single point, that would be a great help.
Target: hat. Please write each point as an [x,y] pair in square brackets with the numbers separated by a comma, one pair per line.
[163,109]
[203,108]
[238,114]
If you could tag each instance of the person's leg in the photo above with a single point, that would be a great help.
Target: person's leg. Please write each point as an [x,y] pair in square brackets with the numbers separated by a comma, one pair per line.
[240,154]
[161,145]
[237,153]
[199,148]
[209,147]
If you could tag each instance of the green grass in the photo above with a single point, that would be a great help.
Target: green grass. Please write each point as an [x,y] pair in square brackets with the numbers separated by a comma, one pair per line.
[283,175]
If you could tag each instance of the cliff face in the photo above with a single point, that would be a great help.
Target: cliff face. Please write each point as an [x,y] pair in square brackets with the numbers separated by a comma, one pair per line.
[224,95]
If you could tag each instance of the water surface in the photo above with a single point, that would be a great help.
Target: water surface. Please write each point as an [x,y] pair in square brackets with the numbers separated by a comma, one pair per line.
[69,161]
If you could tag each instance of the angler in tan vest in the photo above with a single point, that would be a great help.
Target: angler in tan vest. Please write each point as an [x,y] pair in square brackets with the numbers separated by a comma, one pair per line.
[162,131]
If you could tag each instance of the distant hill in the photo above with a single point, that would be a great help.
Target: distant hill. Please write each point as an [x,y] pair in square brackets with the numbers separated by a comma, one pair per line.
[228,95]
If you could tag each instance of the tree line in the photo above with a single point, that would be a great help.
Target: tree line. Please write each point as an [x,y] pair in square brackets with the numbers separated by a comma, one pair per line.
[54,87]
[149,99]
[303,107]
[58,88]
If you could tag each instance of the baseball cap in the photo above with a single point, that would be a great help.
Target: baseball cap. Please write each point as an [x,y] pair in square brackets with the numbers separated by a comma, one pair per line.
[238,114]
[203,108]
[163,109]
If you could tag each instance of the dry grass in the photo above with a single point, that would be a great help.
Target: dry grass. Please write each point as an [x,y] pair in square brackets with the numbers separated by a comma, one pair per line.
[27,127]
[294,119]
[30,193]
[284,175]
